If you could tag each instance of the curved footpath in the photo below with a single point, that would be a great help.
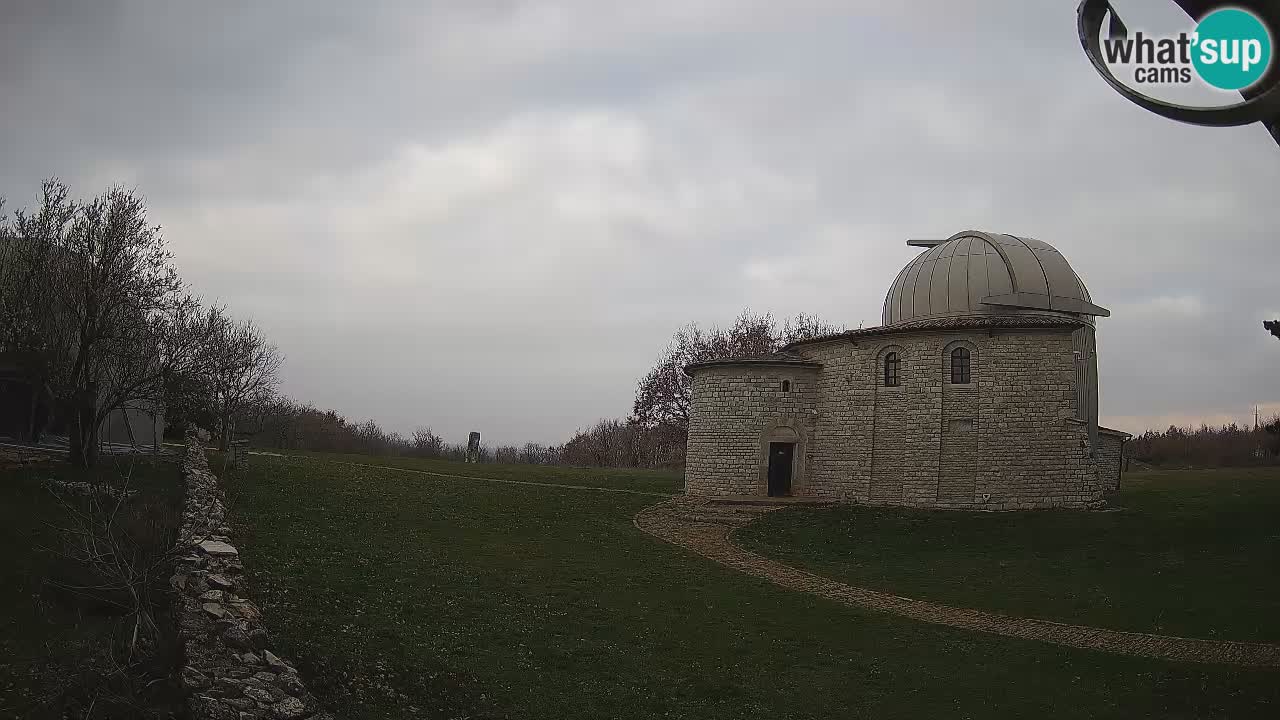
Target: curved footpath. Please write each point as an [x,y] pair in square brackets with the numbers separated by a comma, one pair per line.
[705,527]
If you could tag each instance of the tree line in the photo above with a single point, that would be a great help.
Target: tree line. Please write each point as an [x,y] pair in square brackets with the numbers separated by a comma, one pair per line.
[1223,446]
[653,436]
[655,433]
[288,425]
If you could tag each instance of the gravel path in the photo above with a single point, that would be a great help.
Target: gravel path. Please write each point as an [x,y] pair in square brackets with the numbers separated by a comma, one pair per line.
[705,527]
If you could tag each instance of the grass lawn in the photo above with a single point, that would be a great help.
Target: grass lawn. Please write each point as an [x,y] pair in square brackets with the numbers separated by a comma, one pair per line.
[56,643]
[404,595]
[652,481]
[1192,552]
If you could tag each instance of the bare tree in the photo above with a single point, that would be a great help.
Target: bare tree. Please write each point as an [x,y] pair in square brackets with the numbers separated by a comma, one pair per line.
[662,395]
[91,305]
[426,443]
[33,329]
[245,370]
[116,551]
[188,395]
[610,442]
[150,362]
[804,327]
[114,283]
[284,423]
[532,454]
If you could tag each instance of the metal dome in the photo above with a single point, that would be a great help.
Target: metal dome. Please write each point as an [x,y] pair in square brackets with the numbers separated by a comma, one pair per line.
[982,273]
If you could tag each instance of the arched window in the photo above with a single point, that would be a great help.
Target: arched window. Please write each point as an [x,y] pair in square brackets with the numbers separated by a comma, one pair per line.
[960,366]
[891,370]
[786,386]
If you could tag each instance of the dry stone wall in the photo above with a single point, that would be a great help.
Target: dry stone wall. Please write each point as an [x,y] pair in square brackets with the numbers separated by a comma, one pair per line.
[230,671]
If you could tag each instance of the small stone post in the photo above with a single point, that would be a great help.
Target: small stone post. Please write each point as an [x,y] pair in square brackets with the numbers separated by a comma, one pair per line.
[240,454]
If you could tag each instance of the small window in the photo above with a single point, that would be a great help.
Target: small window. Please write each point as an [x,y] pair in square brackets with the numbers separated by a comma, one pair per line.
[891,370]
[960,366]
[786,386]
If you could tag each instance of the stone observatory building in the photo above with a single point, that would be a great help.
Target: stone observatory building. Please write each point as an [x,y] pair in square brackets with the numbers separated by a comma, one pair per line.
[979,391]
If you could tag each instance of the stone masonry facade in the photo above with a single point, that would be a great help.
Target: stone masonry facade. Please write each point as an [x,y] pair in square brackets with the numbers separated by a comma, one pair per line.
[1110,459]
[736,413]
[1013,438]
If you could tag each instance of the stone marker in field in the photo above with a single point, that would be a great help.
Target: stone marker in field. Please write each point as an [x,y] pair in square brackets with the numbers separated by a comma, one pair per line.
[240,454]
[473,447]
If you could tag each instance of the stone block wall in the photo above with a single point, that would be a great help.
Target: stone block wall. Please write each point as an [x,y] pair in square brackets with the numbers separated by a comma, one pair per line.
[1032,454]
[734,411]
[960,448]
[230,670]
[1110,457]
[840,452]
[1004,441]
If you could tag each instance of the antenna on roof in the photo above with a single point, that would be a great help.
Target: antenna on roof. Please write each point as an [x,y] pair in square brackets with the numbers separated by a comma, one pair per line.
[917,242]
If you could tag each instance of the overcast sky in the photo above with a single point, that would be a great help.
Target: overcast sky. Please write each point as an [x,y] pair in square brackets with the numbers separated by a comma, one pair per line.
[493,215]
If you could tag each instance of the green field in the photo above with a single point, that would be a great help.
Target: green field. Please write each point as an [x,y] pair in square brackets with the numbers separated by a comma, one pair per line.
[647,481]
[407,595]
[1192,553]
[64,636]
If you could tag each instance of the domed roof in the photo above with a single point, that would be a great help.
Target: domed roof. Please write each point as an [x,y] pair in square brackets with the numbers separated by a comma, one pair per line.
[982,273]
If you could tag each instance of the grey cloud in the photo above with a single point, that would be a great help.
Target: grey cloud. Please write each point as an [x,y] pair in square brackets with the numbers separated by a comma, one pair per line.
[493,215]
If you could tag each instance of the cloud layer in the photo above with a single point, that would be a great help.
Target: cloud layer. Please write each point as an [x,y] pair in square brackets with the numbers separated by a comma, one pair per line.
[493,215]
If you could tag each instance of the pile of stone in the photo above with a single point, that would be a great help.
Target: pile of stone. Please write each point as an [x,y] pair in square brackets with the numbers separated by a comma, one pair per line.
[14,457]
[77,487]
[230,670]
